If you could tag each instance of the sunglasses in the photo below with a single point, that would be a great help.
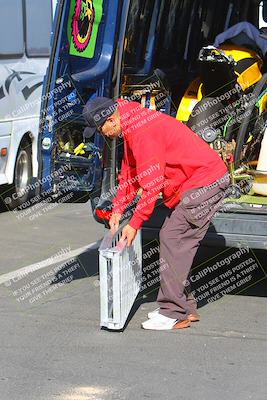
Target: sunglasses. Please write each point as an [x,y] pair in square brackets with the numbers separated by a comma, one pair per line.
[99,128]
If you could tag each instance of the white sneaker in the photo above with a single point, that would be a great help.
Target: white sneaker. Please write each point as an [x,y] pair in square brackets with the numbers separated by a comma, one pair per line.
[192,317]
[162,323]
[152,314]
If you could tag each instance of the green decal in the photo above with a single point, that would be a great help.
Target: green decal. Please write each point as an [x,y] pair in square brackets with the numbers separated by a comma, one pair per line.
[83,24]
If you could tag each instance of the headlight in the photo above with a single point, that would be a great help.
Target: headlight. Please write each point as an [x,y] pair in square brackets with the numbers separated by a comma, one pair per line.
[46,143]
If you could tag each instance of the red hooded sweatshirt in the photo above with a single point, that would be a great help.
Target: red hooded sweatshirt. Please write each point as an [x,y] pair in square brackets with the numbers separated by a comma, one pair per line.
[160,155]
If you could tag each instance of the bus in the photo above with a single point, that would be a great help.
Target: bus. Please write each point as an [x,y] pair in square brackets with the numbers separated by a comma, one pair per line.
[25,31]
[149,51]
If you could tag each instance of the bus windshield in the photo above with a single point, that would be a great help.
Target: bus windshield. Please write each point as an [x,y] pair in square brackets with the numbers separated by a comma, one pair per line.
[25,29]
[38,27]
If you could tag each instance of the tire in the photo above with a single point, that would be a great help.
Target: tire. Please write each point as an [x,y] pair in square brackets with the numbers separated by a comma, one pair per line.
[201,121]
[19,193]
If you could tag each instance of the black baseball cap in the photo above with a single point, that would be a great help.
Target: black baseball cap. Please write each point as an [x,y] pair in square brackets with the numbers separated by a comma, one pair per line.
[96,112]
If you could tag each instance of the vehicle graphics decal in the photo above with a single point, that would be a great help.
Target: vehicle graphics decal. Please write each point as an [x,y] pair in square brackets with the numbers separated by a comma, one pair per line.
[15,75]
[83,24]
[26,91]
[2,93]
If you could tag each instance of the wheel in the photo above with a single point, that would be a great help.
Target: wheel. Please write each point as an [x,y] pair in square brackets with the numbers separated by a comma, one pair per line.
[202,120]
[19,193]
[235,192]
[205,120]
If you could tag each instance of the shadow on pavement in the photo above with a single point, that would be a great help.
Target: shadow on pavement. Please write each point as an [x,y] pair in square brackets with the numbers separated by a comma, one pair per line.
[215,273]
[3,207]
[84,266]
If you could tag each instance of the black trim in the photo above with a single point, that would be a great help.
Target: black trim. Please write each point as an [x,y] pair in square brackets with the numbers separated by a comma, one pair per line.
[243,129]
[48,76]
[244,64]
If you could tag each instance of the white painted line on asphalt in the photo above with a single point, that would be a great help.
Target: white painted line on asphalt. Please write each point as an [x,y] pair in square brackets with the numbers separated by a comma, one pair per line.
[86,393]
[21,272]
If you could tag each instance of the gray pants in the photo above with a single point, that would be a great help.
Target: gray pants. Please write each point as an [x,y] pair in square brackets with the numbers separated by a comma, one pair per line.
[180,237]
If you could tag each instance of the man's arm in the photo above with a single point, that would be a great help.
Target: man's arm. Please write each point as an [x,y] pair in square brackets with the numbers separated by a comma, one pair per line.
[150,155]
[126,190]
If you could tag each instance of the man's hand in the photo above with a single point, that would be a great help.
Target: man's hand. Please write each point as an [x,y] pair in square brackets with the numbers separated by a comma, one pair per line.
[114,222]
[128,233]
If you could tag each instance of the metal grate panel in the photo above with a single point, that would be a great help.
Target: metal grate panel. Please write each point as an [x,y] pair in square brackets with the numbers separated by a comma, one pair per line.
[120,271]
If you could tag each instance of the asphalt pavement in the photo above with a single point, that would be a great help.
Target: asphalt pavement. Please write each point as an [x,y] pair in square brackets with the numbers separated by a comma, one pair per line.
[52,347]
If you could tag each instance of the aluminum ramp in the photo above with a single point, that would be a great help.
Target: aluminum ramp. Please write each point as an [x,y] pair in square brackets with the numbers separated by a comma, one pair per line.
[120,271]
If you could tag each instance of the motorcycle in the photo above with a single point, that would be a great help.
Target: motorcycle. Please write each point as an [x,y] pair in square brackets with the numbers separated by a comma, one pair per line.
[226,105]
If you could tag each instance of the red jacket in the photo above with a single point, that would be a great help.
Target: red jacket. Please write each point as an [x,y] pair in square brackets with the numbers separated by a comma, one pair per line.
[160,155]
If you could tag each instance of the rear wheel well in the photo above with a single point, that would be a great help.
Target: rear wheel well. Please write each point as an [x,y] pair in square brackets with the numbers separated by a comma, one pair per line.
[26,141]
